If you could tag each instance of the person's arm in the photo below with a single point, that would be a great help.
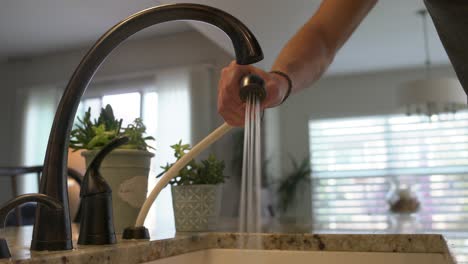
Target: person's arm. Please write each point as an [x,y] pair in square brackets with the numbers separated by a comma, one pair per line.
[309,53]
[304,58]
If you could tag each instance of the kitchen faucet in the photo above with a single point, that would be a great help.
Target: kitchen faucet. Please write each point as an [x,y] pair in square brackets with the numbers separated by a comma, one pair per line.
[52,229]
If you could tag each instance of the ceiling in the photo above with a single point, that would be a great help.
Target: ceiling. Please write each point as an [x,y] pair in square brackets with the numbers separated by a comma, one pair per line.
[390,37]
[34,27]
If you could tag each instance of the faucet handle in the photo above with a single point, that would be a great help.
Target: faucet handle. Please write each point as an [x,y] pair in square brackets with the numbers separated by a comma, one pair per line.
[8,206]
[93,182]
[96,223]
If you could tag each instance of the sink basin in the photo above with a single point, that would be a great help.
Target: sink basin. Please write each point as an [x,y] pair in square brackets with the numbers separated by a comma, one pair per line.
[211,248]
[251,256]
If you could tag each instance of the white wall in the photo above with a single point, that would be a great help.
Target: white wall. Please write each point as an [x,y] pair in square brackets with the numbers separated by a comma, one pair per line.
[133,56]
[334,97]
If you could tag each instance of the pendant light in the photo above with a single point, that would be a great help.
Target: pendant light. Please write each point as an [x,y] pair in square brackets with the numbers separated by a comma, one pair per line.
[431,96]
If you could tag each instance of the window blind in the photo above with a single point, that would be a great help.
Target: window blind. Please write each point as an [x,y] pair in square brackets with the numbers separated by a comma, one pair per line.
[356,161]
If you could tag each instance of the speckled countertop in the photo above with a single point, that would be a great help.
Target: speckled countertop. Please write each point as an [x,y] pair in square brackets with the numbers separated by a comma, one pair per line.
[161,246]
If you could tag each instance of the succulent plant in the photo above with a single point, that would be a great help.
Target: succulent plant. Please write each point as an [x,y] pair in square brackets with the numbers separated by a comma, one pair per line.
[95,134]
[208,171]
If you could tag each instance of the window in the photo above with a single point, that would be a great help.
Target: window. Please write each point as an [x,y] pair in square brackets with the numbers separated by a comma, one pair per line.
[40,104]
[94,103]
[127,106]
[356,161]
[164,103]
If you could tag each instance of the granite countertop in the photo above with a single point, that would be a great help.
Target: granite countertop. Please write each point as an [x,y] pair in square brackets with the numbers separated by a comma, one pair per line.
[165,245]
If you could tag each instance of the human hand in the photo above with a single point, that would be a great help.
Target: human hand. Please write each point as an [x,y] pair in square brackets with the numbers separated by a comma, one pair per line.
[231,107]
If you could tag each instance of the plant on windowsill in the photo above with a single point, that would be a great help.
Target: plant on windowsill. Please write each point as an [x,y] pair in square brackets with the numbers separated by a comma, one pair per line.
[196,191]
[125,169]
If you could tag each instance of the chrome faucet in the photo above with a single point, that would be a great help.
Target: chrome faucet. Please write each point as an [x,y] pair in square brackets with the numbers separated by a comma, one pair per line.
[52,229]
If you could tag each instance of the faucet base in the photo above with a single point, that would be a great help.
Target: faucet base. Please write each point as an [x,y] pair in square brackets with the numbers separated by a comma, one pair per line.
[48,233]
[51,245]
[136,232]
[4,251]
[96,224]
[98,240]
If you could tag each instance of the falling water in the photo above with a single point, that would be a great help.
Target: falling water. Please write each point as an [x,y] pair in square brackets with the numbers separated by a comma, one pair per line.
[250,204]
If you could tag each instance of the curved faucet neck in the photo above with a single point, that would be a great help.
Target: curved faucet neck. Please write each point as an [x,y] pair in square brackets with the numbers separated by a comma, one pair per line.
[58,236]
[30,197]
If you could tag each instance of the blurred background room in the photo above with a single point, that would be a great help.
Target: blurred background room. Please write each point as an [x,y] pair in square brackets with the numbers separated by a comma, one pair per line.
[364,150]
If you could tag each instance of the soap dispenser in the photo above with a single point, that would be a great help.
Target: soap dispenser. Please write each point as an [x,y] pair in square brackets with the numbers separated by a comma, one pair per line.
[96,223]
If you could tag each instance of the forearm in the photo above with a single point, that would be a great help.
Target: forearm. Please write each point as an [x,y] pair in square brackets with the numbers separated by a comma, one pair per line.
[304,63]
[312,49]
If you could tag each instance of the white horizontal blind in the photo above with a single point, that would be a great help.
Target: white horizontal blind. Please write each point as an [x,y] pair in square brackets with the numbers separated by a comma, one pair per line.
[354,162]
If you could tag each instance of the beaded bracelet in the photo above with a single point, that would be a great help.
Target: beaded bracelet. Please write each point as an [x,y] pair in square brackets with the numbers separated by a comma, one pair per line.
[289,84]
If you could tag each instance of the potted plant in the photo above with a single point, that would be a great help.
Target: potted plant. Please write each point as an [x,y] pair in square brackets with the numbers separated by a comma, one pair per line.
[196,192]
[288,193]
[125,169]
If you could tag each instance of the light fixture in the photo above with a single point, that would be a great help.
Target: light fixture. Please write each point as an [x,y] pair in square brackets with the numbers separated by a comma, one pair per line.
[431,96]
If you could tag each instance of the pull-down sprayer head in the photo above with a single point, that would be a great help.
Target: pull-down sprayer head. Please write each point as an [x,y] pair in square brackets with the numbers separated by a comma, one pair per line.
[252,84]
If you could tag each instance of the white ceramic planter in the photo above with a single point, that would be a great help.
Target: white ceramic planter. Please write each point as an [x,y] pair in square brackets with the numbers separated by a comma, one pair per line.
[196,207]
[126,171]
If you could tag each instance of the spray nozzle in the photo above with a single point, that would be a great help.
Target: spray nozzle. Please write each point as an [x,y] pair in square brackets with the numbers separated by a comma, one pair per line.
[252,84]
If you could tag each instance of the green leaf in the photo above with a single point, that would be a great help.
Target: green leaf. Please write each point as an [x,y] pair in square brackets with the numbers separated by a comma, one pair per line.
[288,186]
[96,134]
[209,171]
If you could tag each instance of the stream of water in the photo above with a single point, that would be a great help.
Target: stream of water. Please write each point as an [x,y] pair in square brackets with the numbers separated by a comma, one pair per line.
[250,203]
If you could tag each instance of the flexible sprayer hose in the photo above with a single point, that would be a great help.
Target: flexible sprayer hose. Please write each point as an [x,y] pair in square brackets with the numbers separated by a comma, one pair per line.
[174,170]
[249,84]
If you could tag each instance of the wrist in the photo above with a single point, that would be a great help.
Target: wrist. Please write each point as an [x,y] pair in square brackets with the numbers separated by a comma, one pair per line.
[284,85]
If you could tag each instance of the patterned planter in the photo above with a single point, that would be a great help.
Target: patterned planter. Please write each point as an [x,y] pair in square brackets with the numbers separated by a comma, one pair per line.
[126,171]
[196,207]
